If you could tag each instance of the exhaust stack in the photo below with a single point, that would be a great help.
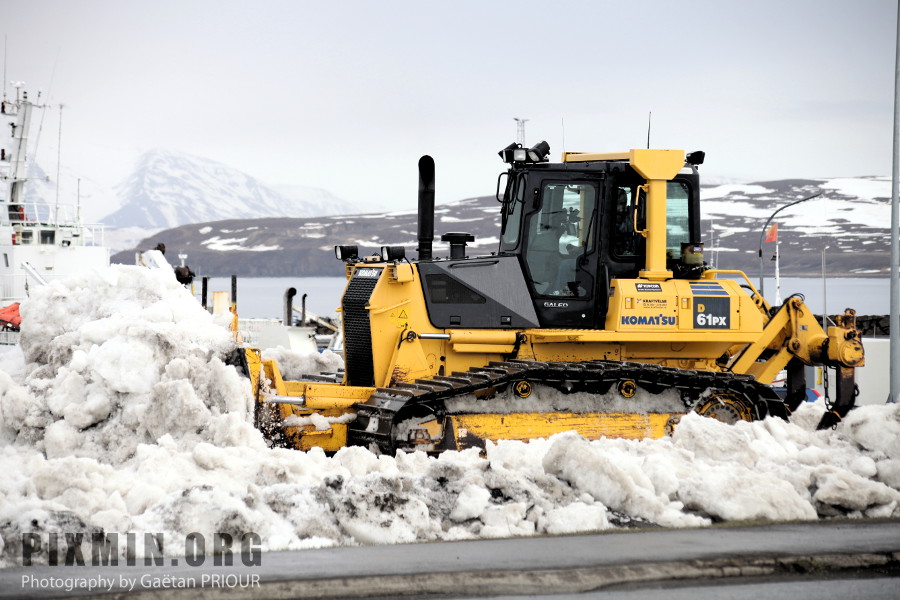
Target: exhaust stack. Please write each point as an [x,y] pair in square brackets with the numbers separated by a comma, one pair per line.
[426,207]
[289,306]
[303,311]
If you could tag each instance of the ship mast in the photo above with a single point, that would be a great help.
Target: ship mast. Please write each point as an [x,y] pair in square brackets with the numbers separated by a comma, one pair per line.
[18,157]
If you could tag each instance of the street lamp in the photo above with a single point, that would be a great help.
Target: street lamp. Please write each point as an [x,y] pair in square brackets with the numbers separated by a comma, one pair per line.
[763,232]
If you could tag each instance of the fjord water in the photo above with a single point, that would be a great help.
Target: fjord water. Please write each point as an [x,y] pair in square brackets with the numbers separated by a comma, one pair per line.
[263,297]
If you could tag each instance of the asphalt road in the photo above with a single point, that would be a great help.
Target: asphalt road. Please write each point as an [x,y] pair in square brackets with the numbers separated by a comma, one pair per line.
[821,559]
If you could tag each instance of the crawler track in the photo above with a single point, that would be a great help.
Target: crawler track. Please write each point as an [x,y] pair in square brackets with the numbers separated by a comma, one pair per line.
[378,418]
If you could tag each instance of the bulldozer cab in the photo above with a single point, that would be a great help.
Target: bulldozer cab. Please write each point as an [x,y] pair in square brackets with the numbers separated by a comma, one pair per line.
[580,225]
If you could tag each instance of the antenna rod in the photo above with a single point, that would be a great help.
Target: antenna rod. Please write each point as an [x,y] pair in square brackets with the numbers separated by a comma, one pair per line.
[37,140]
[649,117]
[562,121]
[5,39]
[58,165]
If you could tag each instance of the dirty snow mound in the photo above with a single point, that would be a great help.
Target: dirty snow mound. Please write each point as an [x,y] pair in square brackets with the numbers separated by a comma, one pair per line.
[118,358]
[119,415]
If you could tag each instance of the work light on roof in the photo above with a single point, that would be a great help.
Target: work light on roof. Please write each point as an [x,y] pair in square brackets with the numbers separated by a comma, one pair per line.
[515,153]
[392,253]
[695,158]
[346,253]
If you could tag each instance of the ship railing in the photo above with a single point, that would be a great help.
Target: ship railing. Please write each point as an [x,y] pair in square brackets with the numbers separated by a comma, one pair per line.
[49,215]
[9,338]
[11,285]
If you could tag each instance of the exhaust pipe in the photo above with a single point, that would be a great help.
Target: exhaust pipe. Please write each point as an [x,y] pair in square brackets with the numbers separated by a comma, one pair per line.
[426,207]
[289,306]
[303,311]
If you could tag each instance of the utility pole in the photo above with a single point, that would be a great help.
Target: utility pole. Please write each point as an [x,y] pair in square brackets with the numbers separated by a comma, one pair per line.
[895,231]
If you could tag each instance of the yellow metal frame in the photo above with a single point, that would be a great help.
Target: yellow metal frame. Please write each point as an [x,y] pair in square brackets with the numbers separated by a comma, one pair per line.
[524,426]
[794,332]
[326,399]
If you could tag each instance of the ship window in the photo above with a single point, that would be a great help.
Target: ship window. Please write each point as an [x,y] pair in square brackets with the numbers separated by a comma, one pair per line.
[47,237]
[16,213]
[443,289]
[26,237]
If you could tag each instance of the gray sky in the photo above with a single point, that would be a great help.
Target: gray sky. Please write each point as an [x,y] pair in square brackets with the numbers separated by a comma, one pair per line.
[346,95]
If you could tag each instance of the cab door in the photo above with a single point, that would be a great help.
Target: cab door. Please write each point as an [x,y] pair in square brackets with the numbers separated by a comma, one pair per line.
[559,250]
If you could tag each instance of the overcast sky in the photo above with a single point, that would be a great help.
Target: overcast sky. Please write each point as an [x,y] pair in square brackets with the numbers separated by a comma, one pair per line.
[347,95]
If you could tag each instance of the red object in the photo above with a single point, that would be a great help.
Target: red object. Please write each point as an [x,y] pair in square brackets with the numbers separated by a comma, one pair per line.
[9,316]
[772,233]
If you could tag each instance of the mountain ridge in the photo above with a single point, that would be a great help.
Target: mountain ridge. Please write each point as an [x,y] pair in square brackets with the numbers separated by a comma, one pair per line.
[852,222]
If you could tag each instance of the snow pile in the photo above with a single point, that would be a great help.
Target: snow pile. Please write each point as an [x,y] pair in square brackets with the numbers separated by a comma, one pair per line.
[293,365]
[116,359]
[119,415]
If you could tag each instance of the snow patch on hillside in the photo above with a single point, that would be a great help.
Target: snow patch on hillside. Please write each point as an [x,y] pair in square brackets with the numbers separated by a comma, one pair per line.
[230,244]
[863,188]
[736,189]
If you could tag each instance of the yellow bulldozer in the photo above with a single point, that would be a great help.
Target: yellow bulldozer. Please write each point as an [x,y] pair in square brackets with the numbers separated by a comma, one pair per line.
[596,313]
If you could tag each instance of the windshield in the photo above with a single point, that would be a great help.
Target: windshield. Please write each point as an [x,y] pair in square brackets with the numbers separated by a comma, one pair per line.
[557,235]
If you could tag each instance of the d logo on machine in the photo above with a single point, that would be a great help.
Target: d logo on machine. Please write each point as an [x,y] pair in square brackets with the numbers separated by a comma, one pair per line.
[712,306]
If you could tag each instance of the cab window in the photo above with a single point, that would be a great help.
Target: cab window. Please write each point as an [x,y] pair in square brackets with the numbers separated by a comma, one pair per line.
[627,243]
[513,208]
[559,233]
[678,222]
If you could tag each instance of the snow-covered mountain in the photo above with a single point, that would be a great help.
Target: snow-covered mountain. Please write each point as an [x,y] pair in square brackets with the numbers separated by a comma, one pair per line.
[168,189]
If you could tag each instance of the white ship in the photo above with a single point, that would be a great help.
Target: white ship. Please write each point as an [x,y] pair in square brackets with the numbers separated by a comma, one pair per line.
[40,240]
